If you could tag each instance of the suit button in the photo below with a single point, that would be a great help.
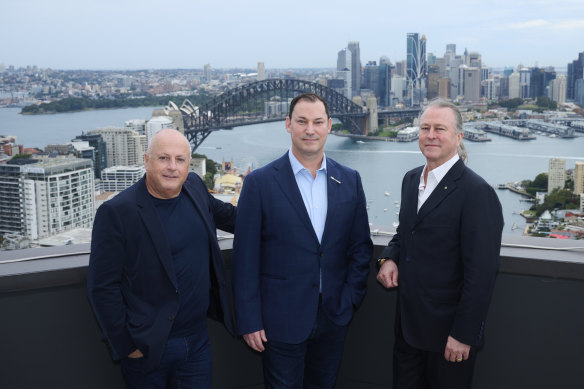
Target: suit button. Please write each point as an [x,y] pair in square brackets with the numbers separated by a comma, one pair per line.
[176,291]
[414,232]
[321,254]
[171,317]
[315,286]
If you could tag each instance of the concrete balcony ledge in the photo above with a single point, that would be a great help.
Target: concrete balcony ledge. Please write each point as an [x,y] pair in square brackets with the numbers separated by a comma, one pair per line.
[533,338]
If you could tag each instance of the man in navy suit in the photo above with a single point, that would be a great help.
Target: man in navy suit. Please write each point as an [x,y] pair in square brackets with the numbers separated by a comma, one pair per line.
[156,271]
[301,255]
[446,253]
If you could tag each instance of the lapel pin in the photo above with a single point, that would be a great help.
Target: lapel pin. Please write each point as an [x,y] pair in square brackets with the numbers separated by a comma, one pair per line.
[445,187]
[335,180]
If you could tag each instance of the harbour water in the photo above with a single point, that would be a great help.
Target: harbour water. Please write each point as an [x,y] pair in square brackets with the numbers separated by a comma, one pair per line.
[381,164]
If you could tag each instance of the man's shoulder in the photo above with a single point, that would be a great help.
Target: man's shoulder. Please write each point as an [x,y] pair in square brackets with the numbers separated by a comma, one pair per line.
[127,195]
[472,177]
[270,168]
[416,172]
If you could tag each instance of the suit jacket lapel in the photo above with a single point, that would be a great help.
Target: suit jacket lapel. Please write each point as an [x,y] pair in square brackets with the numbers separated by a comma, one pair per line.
[332,194]
[197,200]
[152,222]
[410,202]
[445,187]
[285,178]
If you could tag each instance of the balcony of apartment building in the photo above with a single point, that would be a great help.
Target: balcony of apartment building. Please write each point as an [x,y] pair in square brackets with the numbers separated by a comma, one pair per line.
[534,333]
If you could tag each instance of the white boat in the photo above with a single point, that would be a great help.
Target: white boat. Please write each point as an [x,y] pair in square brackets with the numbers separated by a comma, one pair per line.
[386,193]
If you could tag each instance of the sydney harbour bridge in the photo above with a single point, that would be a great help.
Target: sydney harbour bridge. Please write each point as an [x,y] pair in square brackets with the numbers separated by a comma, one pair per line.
[244,105]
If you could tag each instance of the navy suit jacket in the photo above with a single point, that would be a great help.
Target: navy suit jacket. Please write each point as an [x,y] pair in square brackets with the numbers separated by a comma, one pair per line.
[277,256]
[448,257]
[131,282]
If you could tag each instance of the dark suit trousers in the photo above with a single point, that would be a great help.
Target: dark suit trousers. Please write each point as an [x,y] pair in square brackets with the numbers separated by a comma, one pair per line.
[420,369]
[312,364]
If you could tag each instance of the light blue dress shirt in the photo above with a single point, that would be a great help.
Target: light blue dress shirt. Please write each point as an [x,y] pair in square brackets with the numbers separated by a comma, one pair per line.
[313,191]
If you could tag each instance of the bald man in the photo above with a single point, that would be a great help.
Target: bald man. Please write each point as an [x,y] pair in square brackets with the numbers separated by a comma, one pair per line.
[155,270]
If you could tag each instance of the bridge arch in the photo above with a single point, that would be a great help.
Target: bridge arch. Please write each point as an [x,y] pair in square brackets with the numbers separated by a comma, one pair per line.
[226,110]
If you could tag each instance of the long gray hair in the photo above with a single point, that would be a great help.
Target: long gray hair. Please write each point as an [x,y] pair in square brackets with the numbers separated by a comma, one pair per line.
[441,103]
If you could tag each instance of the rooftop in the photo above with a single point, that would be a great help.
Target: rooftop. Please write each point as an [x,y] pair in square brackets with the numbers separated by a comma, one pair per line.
[533,334]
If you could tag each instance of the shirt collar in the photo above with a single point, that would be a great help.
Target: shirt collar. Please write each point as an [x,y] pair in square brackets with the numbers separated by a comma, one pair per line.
[440,171]
[298,167]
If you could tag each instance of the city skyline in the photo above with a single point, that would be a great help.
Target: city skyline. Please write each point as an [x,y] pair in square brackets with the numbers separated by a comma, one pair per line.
[136,35]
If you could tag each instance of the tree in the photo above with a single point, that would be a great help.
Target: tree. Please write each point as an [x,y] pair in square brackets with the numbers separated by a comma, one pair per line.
[211,170]
[558,199]
[539,184]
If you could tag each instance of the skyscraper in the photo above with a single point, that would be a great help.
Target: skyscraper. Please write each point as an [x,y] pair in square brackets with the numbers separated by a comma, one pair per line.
[385,82]
[556,174]
[575,72]
[558,89]
[261,71]
[579,178]
[355,67]
[344,64]
[417,67]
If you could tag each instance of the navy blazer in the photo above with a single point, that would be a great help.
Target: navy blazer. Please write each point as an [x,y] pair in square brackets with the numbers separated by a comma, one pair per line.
[131,282]
[277,256]
[448,258]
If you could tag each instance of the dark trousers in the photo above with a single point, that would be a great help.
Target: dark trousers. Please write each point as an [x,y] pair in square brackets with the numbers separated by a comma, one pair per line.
[185,363]
[420,369]
[312,364]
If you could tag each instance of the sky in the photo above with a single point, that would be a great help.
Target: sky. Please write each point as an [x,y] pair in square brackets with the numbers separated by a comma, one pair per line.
[187,34]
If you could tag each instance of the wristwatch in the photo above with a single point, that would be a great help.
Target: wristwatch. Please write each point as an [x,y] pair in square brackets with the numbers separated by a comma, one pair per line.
[380,261]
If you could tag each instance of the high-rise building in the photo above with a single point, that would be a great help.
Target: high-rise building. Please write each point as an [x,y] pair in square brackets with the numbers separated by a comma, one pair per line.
[371,77]
[43,198]
[444,87]
[524,82]
[556,174]
[539,81]
[399,85]
[514,87]
[261,71]
[124,147]
[454,75]
[575,72]
[471,83]
[579,92]
[99,155]
[417,67]
[344,64]
[433,77]
[355,67]
[207,73]
[579,178]
[557,90]
[385,69]
[118,178]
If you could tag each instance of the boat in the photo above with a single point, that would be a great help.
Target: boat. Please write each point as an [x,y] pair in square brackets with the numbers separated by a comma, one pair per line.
[386,193]
[514,226]
[384,209]
[395,224]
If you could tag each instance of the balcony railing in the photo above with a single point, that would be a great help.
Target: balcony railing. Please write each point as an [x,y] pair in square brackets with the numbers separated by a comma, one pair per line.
[534,333]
